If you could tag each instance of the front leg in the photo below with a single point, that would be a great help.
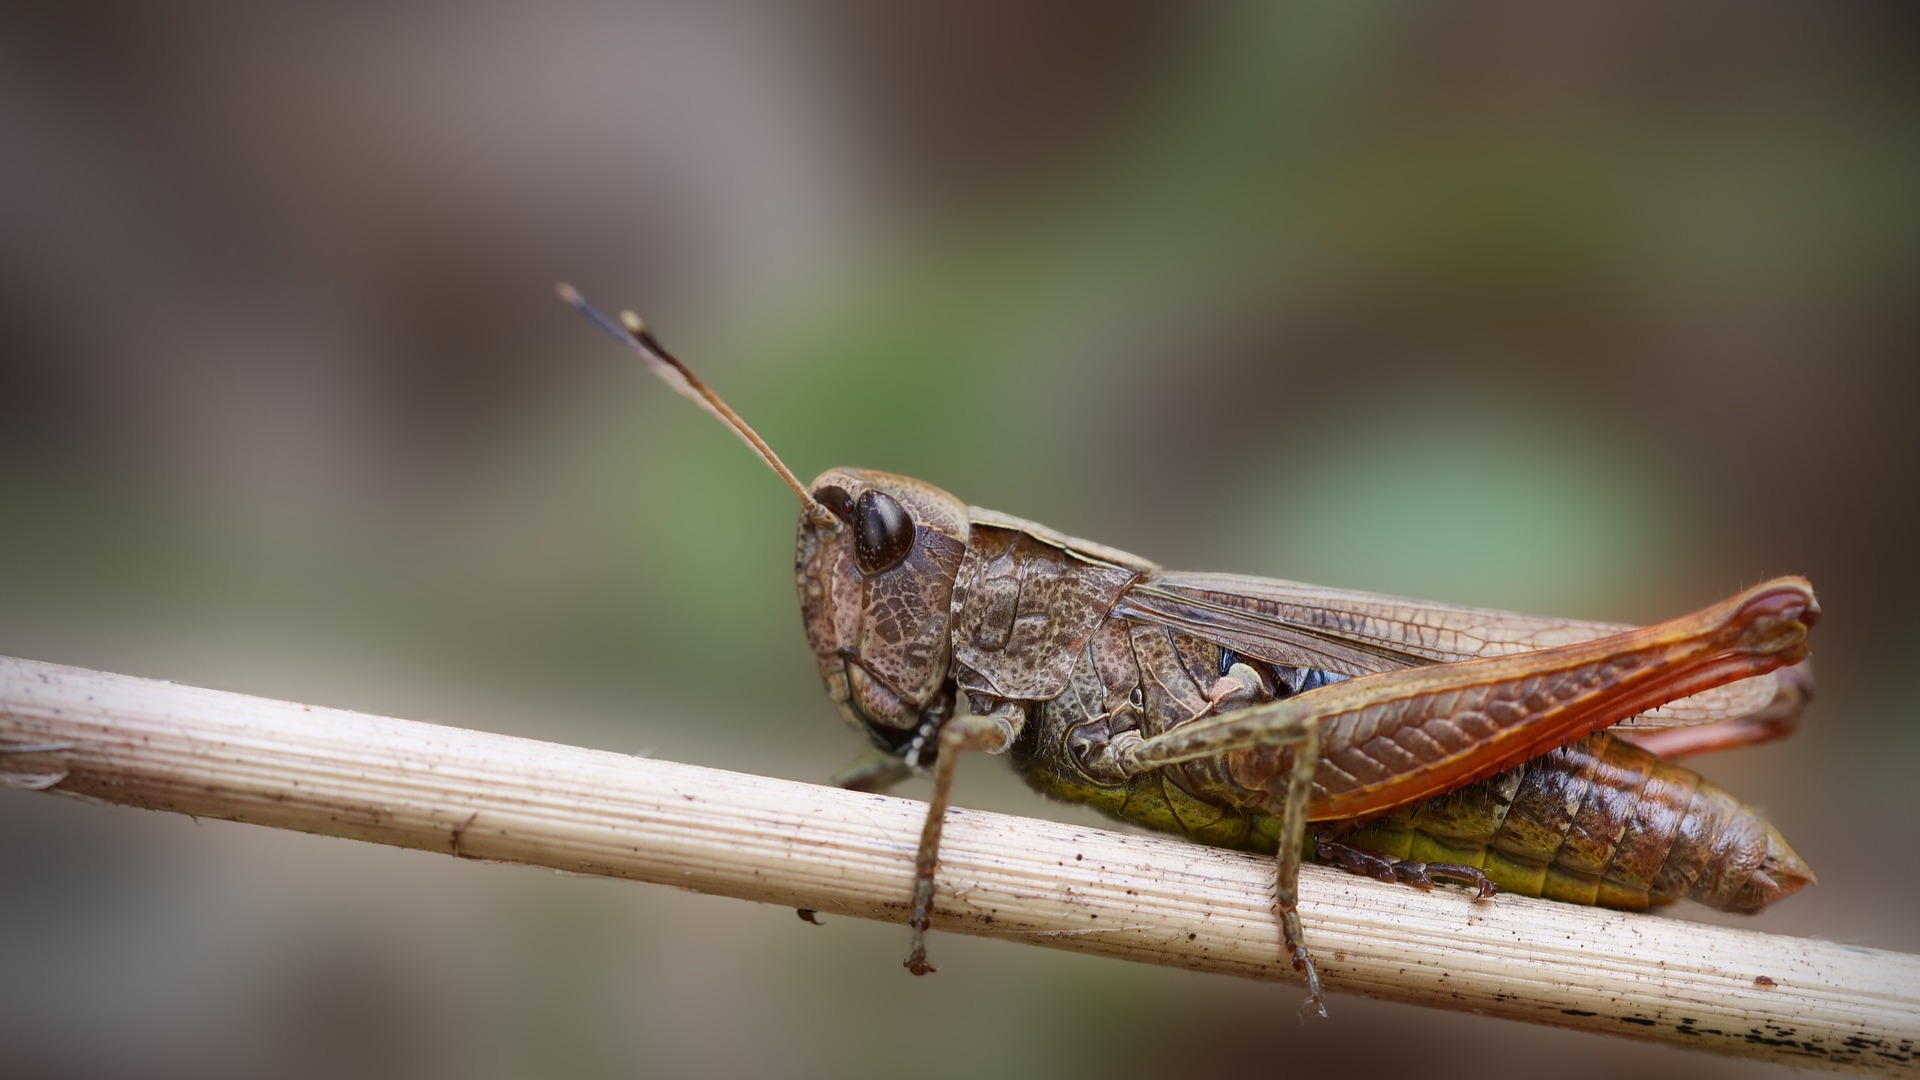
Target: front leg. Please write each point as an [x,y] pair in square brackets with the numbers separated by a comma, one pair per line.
[993,733]
[873,770]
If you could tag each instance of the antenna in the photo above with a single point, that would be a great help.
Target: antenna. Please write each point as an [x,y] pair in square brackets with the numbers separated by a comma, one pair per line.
[633,333]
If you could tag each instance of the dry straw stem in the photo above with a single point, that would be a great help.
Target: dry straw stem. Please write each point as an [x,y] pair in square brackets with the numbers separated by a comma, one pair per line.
[479,796]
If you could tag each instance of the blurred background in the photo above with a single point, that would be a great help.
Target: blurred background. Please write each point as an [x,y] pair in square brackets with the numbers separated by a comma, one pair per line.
[1596,311]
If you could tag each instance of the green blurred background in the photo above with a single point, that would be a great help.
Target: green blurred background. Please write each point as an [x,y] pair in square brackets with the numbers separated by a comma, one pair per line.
[1591,310]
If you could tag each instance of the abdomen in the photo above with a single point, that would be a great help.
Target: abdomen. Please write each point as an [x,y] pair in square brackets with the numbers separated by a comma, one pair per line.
[1599,822]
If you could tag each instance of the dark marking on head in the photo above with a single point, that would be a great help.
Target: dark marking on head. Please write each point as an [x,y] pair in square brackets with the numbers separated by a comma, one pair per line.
[835,498]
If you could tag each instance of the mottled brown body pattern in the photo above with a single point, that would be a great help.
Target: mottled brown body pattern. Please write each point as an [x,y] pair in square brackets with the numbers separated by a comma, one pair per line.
[1599,821]
[1374,731]
[1089,661]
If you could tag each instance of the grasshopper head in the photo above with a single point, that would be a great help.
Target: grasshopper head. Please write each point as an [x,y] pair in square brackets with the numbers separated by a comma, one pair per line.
[876,586]
[876,561]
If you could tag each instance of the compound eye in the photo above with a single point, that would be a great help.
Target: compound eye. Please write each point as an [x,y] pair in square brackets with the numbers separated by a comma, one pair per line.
[835,498]
[882,533]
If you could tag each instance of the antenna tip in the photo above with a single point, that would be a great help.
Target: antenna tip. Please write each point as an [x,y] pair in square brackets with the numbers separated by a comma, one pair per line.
[568,293]
[633,323]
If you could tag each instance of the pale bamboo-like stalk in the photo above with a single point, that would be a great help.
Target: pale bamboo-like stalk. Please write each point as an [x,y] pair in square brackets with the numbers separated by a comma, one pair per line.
[466,793]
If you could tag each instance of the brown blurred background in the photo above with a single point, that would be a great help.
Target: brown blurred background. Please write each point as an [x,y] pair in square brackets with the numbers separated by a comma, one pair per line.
[1600,311]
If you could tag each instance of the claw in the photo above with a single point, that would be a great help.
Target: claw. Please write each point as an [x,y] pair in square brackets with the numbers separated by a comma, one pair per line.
[1315,1003]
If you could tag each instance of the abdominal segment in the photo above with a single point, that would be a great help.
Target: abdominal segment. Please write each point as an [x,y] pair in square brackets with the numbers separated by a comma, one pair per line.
[1597,822]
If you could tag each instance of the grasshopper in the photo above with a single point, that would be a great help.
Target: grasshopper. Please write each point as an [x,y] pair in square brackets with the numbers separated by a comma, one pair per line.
[1400,739]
